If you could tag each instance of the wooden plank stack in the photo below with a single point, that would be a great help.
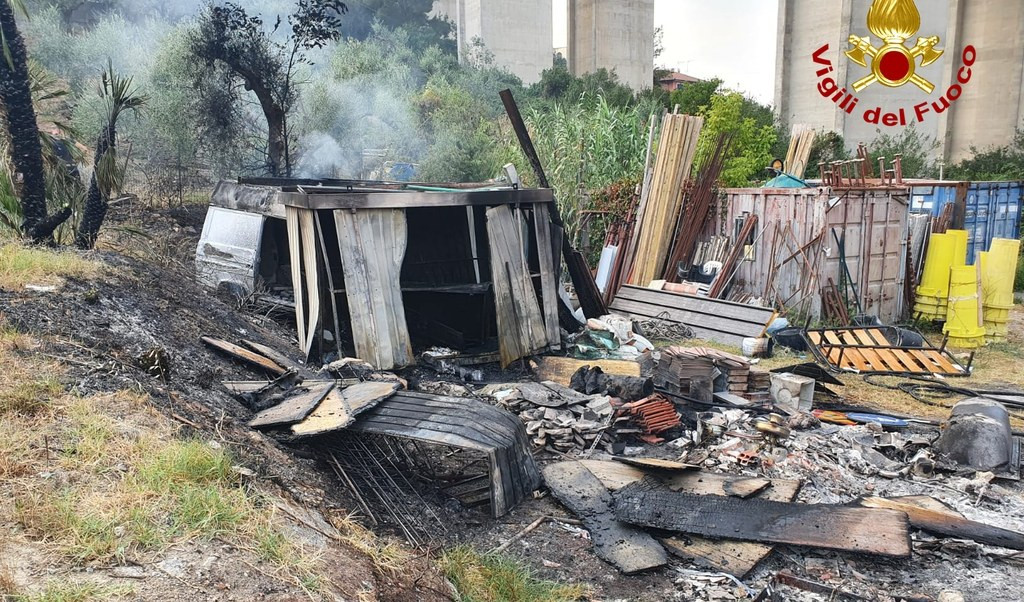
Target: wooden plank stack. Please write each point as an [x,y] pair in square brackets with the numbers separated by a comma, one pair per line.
[800,142]
[661,201]
[711,319]
[678,365]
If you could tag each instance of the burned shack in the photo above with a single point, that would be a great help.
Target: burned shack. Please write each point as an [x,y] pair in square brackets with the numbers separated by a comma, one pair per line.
[374,269]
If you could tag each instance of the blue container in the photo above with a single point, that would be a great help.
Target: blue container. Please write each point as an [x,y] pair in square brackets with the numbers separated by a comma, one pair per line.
[993,210]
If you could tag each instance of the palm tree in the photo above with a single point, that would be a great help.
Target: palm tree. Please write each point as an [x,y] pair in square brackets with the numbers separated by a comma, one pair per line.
[107,175]
[26,150]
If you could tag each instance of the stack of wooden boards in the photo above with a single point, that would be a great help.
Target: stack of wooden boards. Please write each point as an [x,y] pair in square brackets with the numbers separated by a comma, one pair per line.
[870,350]
[679,365]
[800,143]
[710,319]
[662,198]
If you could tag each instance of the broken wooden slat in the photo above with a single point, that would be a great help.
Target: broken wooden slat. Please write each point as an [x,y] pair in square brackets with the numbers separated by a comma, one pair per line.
[295,261]
[627,548]
[273,354]
[949,524]
[548,282]
[659,464]
[372,243]
[521,328]
[244,355]
[311,269]
[872,531]
[561,369]
[293,409]
[340,407]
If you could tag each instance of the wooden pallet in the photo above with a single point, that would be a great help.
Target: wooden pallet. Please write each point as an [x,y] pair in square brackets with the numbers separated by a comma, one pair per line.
[868,350]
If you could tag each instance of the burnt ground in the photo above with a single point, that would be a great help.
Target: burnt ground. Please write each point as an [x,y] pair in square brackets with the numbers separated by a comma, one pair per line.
[150,300]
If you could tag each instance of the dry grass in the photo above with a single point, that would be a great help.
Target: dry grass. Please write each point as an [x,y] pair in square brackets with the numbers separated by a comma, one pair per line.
[103,480]
[497,578]
[387,556]
[21,265]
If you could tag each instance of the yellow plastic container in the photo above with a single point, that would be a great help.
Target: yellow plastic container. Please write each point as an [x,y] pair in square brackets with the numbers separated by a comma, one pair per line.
[999,267]
[938,260]
[964,323]
[960,250]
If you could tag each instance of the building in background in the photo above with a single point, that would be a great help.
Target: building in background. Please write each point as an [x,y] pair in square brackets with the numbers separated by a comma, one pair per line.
[615,35]
[987,113]
[675,81]
[519,34]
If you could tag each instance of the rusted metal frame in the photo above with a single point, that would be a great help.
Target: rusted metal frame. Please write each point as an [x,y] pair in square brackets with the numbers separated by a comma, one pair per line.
[351,486]
[388,454]
[384,491]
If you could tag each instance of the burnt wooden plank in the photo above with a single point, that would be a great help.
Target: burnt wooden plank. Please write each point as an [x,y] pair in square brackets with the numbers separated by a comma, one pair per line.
[949,524]
[293,409]
[340,407]
[627,548]
[872,531]
[372,245]
[548,278]
[276,356]
[242,354]
[561,369]
[735,557]
[521,329]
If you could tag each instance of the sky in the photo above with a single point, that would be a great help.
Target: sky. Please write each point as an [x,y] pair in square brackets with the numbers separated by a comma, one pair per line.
[730,39]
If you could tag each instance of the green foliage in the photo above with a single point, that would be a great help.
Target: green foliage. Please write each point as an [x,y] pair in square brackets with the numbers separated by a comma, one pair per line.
[998,163]
[558,85]
[496,578]
[585,149]
[695,97]
[917,151]
[827,147]
[752,143]
[366,17]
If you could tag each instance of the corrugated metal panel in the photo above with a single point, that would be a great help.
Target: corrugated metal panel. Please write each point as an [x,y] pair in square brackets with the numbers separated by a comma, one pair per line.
[993,210]
[798,225]
[932,198]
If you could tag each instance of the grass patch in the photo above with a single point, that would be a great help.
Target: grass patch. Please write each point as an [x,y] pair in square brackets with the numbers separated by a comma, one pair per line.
[21,265]
[496,578]
[387,556]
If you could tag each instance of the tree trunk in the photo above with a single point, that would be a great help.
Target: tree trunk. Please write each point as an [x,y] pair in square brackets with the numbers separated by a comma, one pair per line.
[277,160]
[26,150]
[96,200]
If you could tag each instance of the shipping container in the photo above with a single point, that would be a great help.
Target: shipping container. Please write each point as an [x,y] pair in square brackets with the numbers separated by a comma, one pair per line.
[993,209]
[796,250]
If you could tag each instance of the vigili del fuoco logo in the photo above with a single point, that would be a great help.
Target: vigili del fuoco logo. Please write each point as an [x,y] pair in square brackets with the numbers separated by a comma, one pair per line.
[892,63]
